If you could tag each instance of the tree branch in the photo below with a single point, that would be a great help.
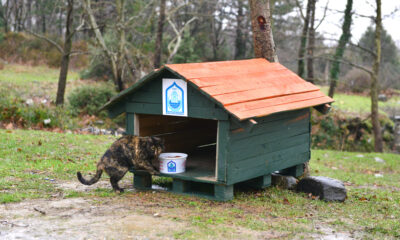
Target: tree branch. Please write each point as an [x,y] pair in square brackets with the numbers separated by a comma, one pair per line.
[59,48]
[323,17]
[300,10]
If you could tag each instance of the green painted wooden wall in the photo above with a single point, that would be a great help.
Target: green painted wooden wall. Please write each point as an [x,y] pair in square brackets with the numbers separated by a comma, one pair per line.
[277,142]
[148,100]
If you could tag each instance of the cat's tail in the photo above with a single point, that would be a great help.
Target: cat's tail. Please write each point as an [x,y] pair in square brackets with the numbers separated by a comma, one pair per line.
[95,179]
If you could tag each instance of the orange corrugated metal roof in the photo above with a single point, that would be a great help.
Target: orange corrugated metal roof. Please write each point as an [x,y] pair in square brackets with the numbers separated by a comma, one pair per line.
[252,88]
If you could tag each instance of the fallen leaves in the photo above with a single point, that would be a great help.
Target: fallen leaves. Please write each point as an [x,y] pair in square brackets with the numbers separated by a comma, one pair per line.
[286,201]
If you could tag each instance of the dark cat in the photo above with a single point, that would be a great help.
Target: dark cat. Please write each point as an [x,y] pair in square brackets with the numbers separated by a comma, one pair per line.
[125,153]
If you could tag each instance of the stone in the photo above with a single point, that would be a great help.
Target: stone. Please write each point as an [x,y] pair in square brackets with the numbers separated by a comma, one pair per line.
[284,182]
[379,160]
[327,189]
[382,97]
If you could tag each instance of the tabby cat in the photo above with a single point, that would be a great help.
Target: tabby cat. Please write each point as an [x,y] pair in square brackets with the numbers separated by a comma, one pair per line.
[125,153]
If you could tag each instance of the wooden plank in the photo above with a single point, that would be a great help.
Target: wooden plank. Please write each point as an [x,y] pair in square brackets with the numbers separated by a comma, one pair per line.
[258,182]
[269,158]
[214,84]
[283,115]
[274,126]
[235,124]
[195,112]
[236,175]
[116,110]
[263,93]
[295,171]
[271,79]
[270,146]
[222,150]
[142,180]
[136,124]
[222,68]
[264,103]
[130,124]
[279,132]
[146,108]
[223,192]
[207,113]
[283,107]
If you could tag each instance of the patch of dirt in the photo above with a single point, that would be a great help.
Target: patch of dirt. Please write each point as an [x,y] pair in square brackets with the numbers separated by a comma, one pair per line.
[134,215]
[81,218]
[327,233]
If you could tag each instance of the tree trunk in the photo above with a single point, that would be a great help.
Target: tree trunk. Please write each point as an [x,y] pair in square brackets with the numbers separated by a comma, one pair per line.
[29,15]
[43,23]
[264,46]
[160,31]
[240,42]
[344,38]
[303,41]
[62,80]
[5,13]
[311,44]
[374,80]
[121,50]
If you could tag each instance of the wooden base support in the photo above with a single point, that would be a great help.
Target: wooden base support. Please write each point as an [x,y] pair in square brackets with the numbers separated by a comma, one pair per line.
[295,171]
[142,180]
[223,192]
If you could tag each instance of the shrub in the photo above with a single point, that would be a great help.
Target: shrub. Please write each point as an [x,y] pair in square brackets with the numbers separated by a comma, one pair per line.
[14,110]
[23,48]
[338,131]
[88,99]
[97,70]
[356,81]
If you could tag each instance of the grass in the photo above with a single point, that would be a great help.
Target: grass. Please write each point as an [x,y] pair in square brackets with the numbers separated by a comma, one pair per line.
[29,160]
[358,103]
[23,74]
[38,81]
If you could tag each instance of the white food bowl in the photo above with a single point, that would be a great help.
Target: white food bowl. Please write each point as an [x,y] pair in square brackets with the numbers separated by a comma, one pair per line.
[171,163]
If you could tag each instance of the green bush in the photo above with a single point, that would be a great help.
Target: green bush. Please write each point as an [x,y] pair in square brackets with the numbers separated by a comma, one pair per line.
[338,131]
[88,99]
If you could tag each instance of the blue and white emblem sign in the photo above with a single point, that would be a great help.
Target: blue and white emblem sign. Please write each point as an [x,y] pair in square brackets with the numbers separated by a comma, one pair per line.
[174,97]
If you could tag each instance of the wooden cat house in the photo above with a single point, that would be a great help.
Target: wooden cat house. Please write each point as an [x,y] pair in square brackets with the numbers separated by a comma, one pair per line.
[239,121]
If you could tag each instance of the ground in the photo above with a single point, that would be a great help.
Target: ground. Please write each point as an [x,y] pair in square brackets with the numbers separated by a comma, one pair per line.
[40,197]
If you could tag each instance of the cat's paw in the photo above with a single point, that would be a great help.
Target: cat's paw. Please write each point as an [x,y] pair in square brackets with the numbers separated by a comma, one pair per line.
[119,191]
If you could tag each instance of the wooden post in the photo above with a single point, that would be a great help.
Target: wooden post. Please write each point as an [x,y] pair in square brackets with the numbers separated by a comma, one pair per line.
[222,150]
[130,123]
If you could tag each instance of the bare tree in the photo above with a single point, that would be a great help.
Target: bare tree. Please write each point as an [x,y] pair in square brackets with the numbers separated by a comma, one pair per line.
[311,43]
[66,52]
[264,46]
[374,80]
[160,30]
[240,41]
[115,58]
[175,43]
[303,39]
